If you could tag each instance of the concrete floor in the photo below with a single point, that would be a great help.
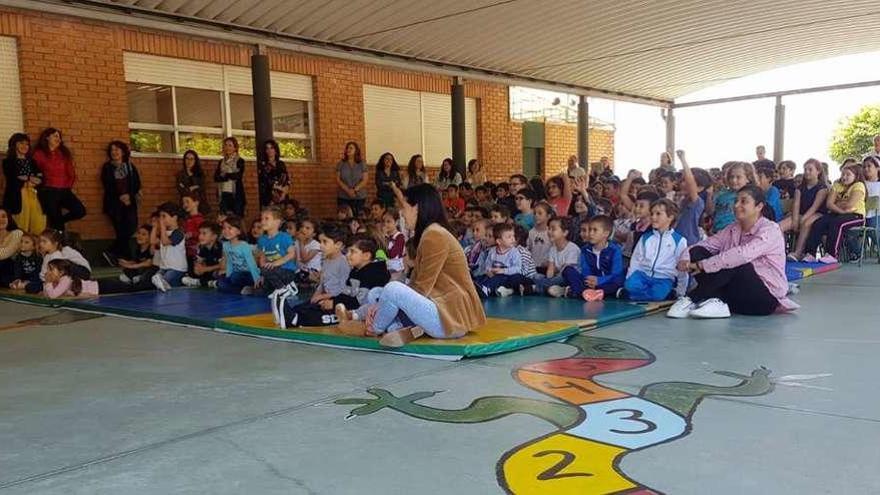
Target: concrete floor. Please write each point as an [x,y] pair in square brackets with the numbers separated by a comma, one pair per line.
[115,406]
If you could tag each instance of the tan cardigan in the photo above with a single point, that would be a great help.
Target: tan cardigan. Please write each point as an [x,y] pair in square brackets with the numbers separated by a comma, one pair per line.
[441,274]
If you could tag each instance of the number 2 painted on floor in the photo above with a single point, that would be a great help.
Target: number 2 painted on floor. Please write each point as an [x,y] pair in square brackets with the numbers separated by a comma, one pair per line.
[554,472]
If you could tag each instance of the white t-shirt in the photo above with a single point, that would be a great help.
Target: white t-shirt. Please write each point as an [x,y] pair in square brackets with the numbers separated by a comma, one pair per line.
[568,256]
[313,264]
[539,245]
[873,188]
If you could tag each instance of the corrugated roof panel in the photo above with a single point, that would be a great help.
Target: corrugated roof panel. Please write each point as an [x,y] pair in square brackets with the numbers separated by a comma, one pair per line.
[658,49]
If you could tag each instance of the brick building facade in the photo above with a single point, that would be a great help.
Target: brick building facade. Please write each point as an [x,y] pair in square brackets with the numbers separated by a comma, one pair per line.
[73,78]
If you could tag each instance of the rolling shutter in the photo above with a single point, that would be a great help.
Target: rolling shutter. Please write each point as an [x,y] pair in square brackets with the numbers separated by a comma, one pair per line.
[10,88]
[392,122]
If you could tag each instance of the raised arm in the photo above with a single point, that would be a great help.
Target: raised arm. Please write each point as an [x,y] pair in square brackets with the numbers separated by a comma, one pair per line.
[625,200]
[690,183]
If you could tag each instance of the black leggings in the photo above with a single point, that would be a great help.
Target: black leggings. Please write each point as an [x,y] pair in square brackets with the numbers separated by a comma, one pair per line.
[833,226]
[54,201]
[125,224]
[740,287]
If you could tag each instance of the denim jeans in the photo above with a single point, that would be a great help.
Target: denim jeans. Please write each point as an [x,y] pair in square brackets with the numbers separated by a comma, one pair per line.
[372,299]
[401,306]
[233,283]
[173,277]
[542,282]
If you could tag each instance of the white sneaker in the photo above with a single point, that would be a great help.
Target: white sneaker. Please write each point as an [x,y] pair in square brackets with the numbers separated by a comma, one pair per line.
[504,291]
[556,291]
[124,278]
[277,305]
[136,279]
[212,284]
[711,308]
[681,308]
[158,282]
[191,281]
[247,291]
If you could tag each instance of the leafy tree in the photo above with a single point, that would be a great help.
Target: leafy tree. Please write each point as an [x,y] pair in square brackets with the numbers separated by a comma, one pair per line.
[854,136]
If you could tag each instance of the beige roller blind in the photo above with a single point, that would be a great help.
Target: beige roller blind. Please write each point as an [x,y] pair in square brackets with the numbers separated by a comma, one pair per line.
[284,85]
[436,127]
[392,122]
[10,88]
[172,71]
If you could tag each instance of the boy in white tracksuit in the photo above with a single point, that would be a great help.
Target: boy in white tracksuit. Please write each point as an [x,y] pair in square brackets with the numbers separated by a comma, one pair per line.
[653,271]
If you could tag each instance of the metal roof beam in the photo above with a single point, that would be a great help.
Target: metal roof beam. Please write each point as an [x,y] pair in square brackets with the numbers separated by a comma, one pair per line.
[778,94]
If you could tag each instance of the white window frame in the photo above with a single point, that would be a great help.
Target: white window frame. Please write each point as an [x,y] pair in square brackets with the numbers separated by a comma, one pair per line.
[224,89]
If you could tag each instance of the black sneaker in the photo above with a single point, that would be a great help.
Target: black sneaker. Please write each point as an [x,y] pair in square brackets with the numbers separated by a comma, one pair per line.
[526,289]
[622,294]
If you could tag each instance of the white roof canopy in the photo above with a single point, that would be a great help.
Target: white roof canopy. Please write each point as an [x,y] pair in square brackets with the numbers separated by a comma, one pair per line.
[657,50]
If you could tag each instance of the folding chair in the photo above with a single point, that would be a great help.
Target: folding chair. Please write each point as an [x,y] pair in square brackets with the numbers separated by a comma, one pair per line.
[872,204]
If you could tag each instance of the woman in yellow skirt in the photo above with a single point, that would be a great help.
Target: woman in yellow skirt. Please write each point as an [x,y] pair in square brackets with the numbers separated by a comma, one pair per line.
[22,179]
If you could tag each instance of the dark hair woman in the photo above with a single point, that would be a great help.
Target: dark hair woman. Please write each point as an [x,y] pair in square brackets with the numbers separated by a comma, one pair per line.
[272,174]
[351,177]
[387,171]
[122,186]
[229,177]
[22,179]
[191,178]
[415,172]
[441,299]
[741,269]
[59,175]
[447,176]
[10,240]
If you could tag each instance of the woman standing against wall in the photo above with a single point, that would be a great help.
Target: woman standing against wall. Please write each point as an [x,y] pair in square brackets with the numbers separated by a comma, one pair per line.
[387,172]
[122,186]
[351,177]
[23,177]
[59,175]
[191,180]
[273,178]
[229,177]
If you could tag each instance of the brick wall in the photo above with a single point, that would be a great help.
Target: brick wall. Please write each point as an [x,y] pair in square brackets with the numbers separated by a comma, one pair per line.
[560,142]
[72,77]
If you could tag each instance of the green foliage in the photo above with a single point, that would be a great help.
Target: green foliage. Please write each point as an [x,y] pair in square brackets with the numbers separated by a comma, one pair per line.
[854,136]
[203,144]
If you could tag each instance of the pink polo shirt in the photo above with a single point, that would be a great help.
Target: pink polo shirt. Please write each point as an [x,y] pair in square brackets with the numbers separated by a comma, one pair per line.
[763,246]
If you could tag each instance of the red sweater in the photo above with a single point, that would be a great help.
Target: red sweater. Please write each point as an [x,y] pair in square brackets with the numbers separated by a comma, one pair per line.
[57,171]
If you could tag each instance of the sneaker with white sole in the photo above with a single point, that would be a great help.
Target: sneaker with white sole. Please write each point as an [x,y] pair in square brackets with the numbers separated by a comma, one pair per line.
[191,281]
[809,259]
[556,291]
[125,279]
[504,291]
[711,308]
[828,259]
[158,282]
[681,309]
[247,291]
[212,284]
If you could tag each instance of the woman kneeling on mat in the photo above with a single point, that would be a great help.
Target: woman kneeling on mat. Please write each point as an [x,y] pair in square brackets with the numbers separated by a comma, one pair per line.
[741,269]
[441,299]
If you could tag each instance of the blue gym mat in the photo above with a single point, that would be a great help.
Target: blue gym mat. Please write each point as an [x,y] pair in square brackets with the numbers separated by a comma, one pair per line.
[538,308]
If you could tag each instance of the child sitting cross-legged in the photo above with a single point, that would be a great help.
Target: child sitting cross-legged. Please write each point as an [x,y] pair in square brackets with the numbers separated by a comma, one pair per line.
[26,264]
[601,271]
[207,263]
[395,242]
[308,252]
[563,255]
[334,275]
[140,266]
[51,244]
[365,282]
[276,252]
[503,262]
[653,269]
[483,241]
[241,271]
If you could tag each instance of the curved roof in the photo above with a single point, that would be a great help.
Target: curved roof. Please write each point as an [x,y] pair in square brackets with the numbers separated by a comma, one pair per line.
[658,49]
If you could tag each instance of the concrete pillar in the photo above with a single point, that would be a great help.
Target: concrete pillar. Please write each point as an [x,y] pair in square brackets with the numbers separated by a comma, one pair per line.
[459,137]
[262,96]
[583,137]
[779,132]
[670,132]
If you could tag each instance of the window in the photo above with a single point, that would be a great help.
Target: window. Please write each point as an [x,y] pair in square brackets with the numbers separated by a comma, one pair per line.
[411,122]
[290,122]
[175,105]
[10,88]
